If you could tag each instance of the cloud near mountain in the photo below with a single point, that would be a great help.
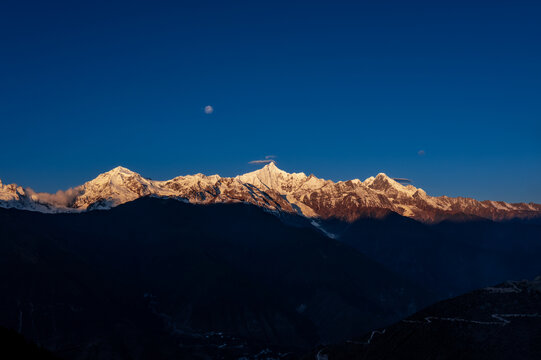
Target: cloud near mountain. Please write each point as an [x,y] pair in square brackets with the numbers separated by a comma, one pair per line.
[60,198]
[266,161]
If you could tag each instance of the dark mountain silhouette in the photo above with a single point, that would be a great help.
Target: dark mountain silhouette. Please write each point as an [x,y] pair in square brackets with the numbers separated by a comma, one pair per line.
[501,322]
[158,278]
[449,258]
[14,346]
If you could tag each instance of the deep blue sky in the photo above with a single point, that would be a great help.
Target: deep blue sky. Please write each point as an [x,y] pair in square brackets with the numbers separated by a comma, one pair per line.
[333,88]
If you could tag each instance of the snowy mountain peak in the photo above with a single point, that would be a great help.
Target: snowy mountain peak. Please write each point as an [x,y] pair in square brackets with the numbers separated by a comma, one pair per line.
[118,172]
[268,187]
[119,176]
[271,177]
[121,170]
[10,192]
[112,188]
[14,196]
[271,165]
[368,181]
[272,170]
[390,187]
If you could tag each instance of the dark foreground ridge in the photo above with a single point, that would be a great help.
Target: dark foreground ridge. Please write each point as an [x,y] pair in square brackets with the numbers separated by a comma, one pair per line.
[160,279]
[14,346]
[500,322]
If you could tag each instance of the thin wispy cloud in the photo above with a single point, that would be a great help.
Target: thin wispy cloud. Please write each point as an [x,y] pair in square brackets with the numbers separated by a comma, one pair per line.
[261,161]
[268,159]
[403,180]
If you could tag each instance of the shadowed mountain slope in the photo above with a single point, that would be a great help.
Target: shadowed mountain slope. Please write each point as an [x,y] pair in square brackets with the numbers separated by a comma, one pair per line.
[500,322]
[449,258]
[150,272]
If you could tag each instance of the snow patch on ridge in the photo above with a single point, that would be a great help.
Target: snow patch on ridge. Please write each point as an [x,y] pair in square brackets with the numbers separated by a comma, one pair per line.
[319,227]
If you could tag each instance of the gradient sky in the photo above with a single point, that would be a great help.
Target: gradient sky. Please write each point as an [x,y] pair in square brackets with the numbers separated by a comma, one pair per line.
[337,89]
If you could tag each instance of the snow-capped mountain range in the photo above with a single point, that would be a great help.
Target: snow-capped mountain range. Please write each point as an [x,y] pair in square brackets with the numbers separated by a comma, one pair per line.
[270,188]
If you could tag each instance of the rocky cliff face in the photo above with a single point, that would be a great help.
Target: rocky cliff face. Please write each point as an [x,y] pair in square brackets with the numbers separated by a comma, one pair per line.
[274,189]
